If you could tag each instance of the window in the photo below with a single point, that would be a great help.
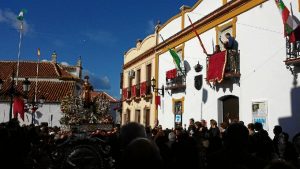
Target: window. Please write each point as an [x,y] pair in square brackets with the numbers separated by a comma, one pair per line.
[138,82]
[127,116]
[180,52]
[229,27]
[148,79]
[138,116]
[138,76]
[147,117]
[148,72]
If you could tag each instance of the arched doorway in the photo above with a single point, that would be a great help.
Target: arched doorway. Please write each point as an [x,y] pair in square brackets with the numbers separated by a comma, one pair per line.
[228,107]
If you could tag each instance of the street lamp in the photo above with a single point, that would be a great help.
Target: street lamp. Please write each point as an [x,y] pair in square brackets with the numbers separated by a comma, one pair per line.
[153,85]
[26,86]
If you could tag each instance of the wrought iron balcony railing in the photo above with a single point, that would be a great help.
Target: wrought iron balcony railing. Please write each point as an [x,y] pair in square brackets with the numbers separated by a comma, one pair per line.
[138,90]
[232,68]
[177,82]
[128,92]
[292,53]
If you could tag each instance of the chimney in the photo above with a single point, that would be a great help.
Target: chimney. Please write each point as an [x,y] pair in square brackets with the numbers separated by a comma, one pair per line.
[157,26]
[138,43]
[54,57]
[184,7]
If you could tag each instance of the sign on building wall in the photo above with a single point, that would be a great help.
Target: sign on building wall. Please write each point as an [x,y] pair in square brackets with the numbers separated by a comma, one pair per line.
[260,113]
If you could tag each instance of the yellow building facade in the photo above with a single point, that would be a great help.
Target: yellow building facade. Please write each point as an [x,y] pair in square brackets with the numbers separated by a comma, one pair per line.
[138,70]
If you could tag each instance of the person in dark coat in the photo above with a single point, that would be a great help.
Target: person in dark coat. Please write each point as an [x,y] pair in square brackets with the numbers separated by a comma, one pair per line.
[234,155]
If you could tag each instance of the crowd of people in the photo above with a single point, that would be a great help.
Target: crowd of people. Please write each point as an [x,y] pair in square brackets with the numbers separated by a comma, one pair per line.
[197,146]
[233,146]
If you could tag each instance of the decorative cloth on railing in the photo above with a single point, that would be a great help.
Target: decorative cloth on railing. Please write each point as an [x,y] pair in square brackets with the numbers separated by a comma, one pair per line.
[171,74]
[125,94]
[133,91]
[216,67]
[143,88]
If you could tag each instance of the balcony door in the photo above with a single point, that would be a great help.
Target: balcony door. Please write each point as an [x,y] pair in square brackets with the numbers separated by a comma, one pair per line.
[228,109]
[138,116]
[146,117]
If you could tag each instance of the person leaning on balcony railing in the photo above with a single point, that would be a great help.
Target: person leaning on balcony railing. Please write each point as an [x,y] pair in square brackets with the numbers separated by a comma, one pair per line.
[217,50]
[231,45]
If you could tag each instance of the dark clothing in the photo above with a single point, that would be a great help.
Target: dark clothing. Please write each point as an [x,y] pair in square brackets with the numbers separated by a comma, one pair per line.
[231,44]
[263,145]
[185,153]
[215,141]
[214,132]
[233,159]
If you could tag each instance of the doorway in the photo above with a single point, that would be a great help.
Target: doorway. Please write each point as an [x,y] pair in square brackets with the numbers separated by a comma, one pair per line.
[138,116]
[146,117]
[228,109]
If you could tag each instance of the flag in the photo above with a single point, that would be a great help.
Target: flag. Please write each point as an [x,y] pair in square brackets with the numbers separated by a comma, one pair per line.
[18,106]
[20,17]
[198,36]
[176,59]
[289,22]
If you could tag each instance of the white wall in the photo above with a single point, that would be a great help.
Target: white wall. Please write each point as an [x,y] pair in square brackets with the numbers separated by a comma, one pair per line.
[43,114]
[264,74]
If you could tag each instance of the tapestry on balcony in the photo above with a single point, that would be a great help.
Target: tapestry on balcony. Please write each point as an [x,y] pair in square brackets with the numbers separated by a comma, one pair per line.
[143,88]
[216,67]
[171,74]
[133,91]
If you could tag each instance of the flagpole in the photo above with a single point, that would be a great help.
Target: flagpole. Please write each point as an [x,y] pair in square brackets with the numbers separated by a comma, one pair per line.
[37,74]
[19,51]
[201,43]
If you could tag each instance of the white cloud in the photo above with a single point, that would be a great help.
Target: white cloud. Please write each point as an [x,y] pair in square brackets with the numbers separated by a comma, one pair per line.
[10,18]
[150,27]
[65,63]
[99,83]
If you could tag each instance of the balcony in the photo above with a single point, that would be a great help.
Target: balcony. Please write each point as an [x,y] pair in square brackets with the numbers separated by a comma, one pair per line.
[222,66]
[292,54]
[126,94]
[232,68]
[133,91]
[148,88]
[145,89]
[137,90]
[175,80]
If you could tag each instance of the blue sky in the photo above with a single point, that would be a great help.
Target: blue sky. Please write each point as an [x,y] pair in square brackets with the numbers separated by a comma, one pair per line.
[98,30]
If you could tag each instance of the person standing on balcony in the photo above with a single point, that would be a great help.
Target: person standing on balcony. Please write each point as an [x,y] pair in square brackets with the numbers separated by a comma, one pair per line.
[231,43]
[217,50]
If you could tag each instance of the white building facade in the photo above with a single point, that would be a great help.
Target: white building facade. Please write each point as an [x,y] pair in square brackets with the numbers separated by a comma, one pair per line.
[263,90]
